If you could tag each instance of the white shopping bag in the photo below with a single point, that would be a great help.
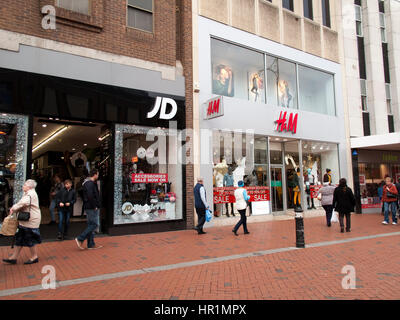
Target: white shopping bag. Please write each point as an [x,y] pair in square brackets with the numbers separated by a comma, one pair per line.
[335,217]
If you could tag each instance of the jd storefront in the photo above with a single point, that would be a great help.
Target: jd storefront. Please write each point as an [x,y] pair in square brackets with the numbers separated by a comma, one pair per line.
[274,120]
[54,126]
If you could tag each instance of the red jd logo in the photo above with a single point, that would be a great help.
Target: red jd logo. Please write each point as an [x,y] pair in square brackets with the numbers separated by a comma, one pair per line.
[283,124]
[213,107]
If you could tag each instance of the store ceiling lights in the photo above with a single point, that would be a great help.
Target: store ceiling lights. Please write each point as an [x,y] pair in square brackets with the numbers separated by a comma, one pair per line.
[103,137]
[49,138]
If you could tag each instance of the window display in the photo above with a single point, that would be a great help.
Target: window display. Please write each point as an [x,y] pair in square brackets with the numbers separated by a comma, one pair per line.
[148,184]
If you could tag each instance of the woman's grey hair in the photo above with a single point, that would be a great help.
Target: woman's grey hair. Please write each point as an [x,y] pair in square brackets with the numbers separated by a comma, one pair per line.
[31,183]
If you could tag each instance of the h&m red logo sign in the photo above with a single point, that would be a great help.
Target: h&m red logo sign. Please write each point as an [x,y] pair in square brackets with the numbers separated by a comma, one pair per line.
[215,108]
[285,124]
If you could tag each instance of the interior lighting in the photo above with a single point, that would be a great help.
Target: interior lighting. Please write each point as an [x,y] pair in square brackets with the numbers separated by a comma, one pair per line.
[49,138]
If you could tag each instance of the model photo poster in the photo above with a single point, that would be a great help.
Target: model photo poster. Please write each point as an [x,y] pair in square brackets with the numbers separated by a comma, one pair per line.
[256,86]
[223,80]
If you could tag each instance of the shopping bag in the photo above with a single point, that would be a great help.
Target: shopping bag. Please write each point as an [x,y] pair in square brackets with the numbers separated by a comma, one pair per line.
[9,226]
[335,217]
[208,215]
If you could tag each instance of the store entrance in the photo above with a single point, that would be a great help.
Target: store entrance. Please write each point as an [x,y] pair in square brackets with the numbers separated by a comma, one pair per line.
[64,151]
[277,187]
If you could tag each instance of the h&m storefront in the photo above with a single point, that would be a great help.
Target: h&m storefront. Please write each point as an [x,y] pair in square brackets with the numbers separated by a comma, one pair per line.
[274,118]
[62,115]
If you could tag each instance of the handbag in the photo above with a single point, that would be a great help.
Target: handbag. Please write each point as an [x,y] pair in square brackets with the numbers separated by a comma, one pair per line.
[319,197]
[208,215]
[25,216]
[391,195]
[9,226]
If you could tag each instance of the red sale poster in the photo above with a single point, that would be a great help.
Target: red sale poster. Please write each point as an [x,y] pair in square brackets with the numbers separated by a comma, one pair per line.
[227,194]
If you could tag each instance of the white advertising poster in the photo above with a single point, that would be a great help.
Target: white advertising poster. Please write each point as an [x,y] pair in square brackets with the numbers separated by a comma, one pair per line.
[260,208]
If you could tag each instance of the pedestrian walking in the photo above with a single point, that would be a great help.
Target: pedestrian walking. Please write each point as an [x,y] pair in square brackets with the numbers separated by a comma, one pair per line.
[326,193]
[343,203]
[389,199]
[28,234]
[65,200]
[91,202]
[241,205]
[200,203]
[57,186]
[380,195]
[398,194]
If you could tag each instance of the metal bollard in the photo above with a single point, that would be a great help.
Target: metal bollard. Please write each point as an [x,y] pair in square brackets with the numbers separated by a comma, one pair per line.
[300,243]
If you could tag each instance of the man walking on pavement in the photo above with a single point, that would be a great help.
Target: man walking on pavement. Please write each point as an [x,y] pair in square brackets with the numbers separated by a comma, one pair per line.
[200,203]
[91,203]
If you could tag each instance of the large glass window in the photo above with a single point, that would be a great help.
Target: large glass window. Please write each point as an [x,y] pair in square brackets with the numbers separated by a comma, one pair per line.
[140,14]
[237,72]
[316,91]
[148,178]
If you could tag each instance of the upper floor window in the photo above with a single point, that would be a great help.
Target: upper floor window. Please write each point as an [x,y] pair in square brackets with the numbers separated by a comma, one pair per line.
[326,13]
[80,6]
[288,4]
[359,25]
[382,22]
[140,14]
[308,9]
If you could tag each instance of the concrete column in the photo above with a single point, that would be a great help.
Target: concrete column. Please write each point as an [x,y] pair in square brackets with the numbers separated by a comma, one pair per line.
[392,9]
[375,70]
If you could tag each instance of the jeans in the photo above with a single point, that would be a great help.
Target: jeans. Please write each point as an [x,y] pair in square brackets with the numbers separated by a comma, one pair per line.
[393,207]
[52,207]
[92,220]
[64,215]
[243,220]
[348,220]
[328,211]
[201,214]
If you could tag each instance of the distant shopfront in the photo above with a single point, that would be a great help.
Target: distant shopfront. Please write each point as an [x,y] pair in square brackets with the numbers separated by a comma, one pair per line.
[274,115]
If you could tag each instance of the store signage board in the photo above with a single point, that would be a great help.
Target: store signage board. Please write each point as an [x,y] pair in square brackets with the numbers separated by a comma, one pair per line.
[227,194]
[161,105]
[287,123]
[214,108]
[149,177]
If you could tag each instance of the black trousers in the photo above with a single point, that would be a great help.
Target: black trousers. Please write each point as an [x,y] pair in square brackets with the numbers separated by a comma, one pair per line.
[227,209]
[348,220]
[328,211]
[243,220]
[201,214]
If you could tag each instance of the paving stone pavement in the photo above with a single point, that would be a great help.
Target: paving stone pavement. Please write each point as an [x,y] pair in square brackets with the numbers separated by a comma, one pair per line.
[183,265]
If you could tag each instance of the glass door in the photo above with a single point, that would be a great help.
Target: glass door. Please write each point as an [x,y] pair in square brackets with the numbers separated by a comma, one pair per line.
[13,158]
[277,187]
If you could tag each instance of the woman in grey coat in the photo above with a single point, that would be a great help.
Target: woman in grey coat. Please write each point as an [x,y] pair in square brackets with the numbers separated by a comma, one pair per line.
[326,193]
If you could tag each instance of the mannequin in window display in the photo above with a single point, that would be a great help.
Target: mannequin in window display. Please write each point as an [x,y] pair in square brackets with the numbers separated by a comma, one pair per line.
[238,173]
[328,176]
[310,181]
[252,181]
[220,170]
[296,190]
[291,178]
[284,95]
[229,182]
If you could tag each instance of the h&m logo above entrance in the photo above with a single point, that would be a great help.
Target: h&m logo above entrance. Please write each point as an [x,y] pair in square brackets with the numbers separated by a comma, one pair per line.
[161,103]
[214,108]
[285,124]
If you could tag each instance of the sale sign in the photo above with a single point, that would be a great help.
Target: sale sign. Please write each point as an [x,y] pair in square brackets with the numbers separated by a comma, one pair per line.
[314,189]
[149,177]
[227,194]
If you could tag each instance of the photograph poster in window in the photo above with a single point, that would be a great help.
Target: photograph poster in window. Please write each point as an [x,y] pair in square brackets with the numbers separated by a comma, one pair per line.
[256,86]
[223,80]
[284,93]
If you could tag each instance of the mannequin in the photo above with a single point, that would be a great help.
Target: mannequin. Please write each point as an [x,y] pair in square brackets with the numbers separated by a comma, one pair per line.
[328,176]
[229,182]
[310,181]
[252,181]
[238,173]
[220,170]
[296,190]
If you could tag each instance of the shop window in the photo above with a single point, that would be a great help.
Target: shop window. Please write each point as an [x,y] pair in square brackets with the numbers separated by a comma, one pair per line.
[281,83]
[237,72]
[148,176]
[316,91]
[80,6]
[140,14]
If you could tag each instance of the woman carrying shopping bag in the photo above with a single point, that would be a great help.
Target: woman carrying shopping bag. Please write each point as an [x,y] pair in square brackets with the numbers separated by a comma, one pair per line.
[28,234]
[241,205]
[326,197]
[343,203]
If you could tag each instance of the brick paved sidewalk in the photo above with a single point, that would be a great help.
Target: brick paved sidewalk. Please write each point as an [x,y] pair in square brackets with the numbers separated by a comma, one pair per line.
[303,274]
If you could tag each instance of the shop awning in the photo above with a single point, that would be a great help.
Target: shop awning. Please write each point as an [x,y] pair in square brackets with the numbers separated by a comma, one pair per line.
[389,142]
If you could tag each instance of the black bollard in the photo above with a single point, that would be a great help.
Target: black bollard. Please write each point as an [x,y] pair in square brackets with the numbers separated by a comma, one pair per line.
[299,228]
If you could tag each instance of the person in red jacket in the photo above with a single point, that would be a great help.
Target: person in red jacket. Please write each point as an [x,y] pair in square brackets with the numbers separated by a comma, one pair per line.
[389,199]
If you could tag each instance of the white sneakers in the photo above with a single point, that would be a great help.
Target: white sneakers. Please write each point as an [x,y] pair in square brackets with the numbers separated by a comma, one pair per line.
[393,223]
[384,222]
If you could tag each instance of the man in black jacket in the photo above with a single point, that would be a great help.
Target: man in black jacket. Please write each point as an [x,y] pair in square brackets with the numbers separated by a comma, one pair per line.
[65,200]
[91,203]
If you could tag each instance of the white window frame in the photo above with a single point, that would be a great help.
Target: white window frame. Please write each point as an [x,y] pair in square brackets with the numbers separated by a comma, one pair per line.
[388,99]
[364,94]
[360,20]
[383,27]
[140,9]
